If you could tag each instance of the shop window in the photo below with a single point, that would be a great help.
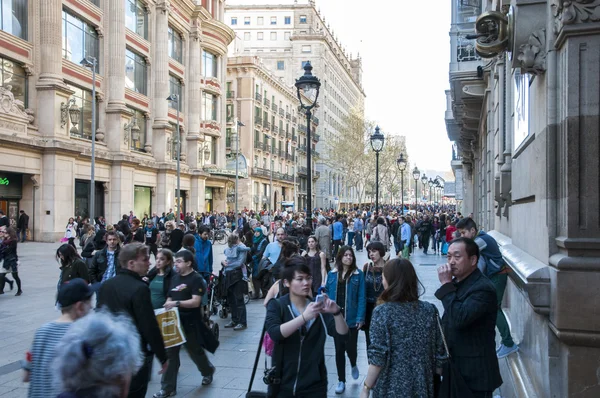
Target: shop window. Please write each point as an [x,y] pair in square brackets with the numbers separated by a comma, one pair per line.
[136,17]
[12,75]
[80,39]
[136,72]
[13,17]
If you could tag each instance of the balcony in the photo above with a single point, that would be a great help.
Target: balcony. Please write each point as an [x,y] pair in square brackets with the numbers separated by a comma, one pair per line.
[316,137]
[275,129]
[281,112]
[302,128]
[274,108]
[288,116]
[316,154]
[267,103]
[465,50]
[258,145]
[315,120]
[260,172]
[294,120]
[266,125]
[288,156]
[258,97]
[258,120]
[294,138]
[287,136]
[268,148]
[316,175]
[230,94]
[302,148]
[302,171]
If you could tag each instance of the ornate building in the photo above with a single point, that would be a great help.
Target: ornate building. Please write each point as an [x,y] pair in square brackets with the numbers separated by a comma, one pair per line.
[523,113]
[146,50]
[287,35]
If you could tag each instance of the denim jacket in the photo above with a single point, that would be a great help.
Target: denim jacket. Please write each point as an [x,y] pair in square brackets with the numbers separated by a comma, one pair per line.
[356,297]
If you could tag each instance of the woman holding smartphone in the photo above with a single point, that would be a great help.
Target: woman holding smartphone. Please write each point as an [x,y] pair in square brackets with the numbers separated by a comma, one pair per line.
[346,285]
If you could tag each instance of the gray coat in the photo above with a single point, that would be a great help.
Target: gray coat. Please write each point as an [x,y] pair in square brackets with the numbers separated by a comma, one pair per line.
[323,235]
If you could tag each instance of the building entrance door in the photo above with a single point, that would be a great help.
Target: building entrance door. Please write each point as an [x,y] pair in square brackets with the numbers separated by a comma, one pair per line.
[11,209]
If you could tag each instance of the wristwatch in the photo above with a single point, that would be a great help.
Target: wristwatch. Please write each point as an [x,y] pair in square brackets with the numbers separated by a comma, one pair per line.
[177,303]
[367,387]
[339,311]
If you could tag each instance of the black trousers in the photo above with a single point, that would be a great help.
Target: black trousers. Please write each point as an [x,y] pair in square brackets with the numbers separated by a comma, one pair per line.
[153,249]
[369,313]
[337,243]
[139,382]
[235,298]
[341,348]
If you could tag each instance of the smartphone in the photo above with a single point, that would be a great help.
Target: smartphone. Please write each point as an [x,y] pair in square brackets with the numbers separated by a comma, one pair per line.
[319,299]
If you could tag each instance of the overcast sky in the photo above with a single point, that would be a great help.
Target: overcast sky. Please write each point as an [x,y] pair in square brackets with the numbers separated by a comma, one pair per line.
[405,52]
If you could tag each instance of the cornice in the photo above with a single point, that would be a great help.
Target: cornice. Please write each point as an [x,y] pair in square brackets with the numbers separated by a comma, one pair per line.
[264,74]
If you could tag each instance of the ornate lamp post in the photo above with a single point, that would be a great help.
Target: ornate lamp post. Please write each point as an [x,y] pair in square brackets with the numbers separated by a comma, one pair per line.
[90,62]
[430,190]
[310,85]
[401,162]
[239,126]
[377,141]
[424,180]
[174,98]
[416,176]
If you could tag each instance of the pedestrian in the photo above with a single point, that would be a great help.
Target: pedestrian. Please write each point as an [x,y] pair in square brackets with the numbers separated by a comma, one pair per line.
[22,225]
[359,227]
[235,281]
[470,310]
[75,301]
[4,221]
[151,235]
[350,231]
[165,236]
[381,234]
[405,236]
[323,235]
[71,232]
[373,271]
[71,265]
[185,293]
[338,235]
[136,232]
[259,244]
[204,252]
[88,244]
[491,264]
[9,259]
[426,230]
[317,262]
[97,357]
[299,328]
[406,343]
[346,286]
[159,278]
[105,263]
[128,293]
[176,236]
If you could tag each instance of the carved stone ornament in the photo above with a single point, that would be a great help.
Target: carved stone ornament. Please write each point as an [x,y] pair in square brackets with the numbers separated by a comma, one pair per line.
[106,187]
[35,179]
[169,145]
[492,34]
[164,6]
[10,105]
[153,191]
[126,128]
[533,54]
[575,11]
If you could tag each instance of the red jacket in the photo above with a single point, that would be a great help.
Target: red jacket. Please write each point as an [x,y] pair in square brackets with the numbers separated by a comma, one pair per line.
[449,232]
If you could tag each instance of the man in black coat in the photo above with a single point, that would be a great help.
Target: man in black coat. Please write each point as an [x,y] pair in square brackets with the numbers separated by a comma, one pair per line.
[469,320]
[128,293]
[22,225]
[124,225]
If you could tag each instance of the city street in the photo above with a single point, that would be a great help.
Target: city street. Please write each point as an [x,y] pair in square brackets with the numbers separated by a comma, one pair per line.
[21,316]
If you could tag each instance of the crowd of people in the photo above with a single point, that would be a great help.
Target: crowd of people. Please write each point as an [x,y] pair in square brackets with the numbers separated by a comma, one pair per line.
[306,272]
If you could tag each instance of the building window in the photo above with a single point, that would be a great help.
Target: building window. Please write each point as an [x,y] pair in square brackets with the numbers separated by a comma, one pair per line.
[234,20]
[213,150]
[175,88]
[174,146]
[13,75]
[302,18]
[136,18]
[260,20]
[138,135]
[209,106]
[246,36]
[175,45]
[259,35]
[13,17]
[80,39]
[246,20]
[273,36]
[286,35]
[521,108]
[467,11]
[136,72]
[273,20]
[209,64]
[280,65]
[83,100]
[287,20]
[306,49]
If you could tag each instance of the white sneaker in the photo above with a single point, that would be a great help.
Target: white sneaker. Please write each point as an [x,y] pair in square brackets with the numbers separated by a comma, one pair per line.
[505,351]
[341,387]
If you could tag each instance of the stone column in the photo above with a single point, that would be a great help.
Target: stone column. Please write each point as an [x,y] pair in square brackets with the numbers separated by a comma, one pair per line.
[160,74]
[194,99]
[115,106]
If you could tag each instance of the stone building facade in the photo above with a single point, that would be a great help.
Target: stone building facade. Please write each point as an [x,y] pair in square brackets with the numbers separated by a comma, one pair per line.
[285,36]
[523,113]
[146,50]
[273,139]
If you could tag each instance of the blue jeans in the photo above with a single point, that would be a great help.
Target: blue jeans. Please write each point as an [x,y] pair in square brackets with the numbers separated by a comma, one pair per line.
[350,238]
[358,239]
[22,234]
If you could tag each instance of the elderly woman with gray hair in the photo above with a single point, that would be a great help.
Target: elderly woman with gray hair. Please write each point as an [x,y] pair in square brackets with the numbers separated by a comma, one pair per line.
[97,357]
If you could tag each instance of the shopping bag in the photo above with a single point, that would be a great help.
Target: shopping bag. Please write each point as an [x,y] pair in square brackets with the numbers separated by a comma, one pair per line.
[444,248]
[170,326]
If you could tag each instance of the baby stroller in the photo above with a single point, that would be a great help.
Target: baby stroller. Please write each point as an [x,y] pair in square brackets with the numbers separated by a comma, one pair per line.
[218,294]
[210,308]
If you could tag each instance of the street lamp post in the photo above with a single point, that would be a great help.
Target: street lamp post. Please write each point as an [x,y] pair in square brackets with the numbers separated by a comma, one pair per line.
[174,98]
[424,180]
[416,176]
[239,125]
[430,189]
[310,85]
[90,62]
[377,141]
[401,162]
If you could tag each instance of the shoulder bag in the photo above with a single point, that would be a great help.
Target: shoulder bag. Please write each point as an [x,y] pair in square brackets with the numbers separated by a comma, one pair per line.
[453,384]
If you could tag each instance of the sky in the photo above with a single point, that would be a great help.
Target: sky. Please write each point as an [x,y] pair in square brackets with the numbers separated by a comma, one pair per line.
[405,53]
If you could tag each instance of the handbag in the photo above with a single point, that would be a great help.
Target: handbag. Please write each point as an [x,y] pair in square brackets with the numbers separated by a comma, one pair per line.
[453,384]
[444,248]
[264,266]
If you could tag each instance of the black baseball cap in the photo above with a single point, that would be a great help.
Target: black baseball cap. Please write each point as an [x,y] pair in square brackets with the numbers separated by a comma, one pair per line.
[74,291]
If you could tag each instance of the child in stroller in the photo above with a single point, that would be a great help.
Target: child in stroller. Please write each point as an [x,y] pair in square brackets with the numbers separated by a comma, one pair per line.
[217,294]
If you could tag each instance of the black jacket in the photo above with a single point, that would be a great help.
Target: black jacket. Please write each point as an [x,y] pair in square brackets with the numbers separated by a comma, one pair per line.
[100,263]
[88,246]
[469,320]
[176,240]
[167,281]
[23,222]
[128,293]
[99,242]
[123,225]
[77,269]
[309,350]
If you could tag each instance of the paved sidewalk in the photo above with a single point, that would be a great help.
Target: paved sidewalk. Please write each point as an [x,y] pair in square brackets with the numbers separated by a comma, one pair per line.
[21,316]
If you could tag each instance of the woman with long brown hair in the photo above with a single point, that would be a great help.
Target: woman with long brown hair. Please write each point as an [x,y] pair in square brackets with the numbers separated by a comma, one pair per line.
[346,286]
[406,343]
[10,260]
[317,262]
